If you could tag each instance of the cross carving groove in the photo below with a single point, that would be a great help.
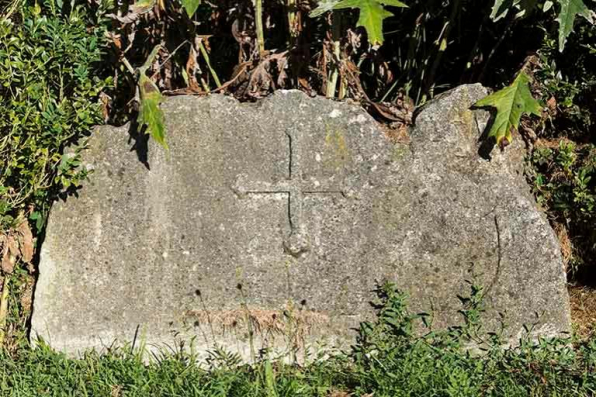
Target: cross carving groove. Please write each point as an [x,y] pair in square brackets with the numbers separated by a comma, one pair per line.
[296,243]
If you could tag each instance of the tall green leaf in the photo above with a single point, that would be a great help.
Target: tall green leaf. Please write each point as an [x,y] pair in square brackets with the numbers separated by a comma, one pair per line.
[511,102]
[270,380]
[191,6]
[570,9]
[371,14]
[151,114]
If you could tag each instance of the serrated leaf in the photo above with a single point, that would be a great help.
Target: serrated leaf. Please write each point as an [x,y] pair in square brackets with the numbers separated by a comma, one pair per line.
[150,113]
[570,9]
[500,9]
[191,6]
[371,14]
[323,7]
[511,102]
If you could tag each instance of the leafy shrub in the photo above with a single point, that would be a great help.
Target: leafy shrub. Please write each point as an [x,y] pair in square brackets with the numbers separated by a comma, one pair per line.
[564,158]
[388,360]
[564,178]
[568,80]
[49,91]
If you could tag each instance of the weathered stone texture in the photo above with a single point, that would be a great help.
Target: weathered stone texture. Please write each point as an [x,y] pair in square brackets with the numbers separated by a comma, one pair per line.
[306,205]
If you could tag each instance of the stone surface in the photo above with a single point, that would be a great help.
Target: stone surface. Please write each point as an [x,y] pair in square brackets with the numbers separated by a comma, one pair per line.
[279,218]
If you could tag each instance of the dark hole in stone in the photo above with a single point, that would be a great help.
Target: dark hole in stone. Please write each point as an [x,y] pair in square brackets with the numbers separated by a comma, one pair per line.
[303,302]
[198,292]
[196,323]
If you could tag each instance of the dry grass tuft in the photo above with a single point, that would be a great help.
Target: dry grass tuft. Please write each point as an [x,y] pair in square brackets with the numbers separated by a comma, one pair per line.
[583,310]
[565,241]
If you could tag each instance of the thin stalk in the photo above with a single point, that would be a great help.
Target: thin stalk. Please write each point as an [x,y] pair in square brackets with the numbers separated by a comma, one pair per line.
[291,5]
[129,67]
[474,51]
[259,23]
[511,20]
[251,331]
[343,89]
[206,57]
[168,58]
[205,85]
[10,9]
[336,34]
[442,43]
[149,62]
[4,309]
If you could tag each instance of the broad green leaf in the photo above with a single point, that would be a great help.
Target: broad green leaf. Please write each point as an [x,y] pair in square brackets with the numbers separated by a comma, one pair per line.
[500,9]
[371,14]
[569,10]
[511,102]
[191,6]
[150,113]
[323,7]
[522,8]
[548,4]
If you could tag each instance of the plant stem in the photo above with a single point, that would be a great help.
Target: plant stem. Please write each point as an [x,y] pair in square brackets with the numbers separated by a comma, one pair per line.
[4,309]
[259,23]
[442,43]
[336,32]
[511,20]
[291,5]
[150,59]
[206,57]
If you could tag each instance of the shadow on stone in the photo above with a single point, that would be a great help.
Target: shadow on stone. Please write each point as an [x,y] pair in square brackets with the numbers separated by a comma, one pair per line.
[141,142]
[486,143]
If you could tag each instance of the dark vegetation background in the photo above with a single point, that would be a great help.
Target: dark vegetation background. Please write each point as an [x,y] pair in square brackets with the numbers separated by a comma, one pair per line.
[68,65]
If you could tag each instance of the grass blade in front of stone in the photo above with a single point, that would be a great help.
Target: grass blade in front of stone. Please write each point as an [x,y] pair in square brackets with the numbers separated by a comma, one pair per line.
[387,360]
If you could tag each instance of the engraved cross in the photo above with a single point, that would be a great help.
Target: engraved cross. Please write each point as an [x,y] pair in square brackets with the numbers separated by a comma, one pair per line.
[295,188]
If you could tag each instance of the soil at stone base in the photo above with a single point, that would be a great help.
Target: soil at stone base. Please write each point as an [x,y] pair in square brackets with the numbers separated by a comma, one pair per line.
[583,310]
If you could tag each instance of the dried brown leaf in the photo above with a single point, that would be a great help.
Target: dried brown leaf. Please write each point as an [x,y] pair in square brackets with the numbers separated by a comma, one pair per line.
[106,105]
[191,70]
[10,254]
[116,391]
[338,393]
[116,40]
[261,80]
[25,238]
[392,113]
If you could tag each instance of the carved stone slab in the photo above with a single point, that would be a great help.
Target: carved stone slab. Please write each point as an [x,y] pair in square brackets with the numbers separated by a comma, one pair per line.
[270,224]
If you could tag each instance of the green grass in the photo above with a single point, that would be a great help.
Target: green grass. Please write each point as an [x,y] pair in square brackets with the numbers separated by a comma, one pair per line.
[387,360]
